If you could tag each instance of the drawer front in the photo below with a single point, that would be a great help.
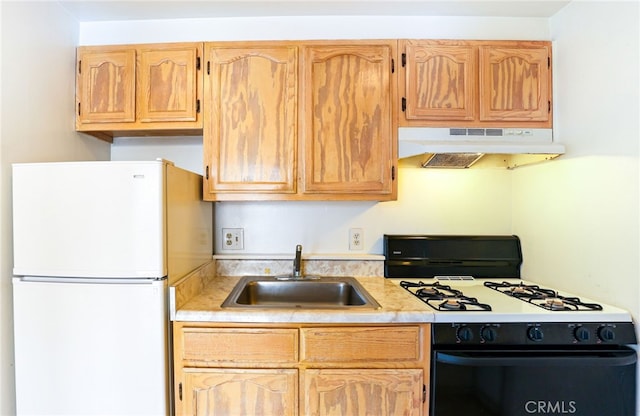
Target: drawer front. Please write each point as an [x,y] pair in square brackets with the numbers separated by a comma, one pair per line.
[355,345]
[235,347]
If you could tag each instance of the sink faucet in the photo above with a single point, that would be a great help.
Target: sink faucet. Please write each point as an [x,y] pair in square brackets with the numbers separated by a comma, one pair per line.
[297,262]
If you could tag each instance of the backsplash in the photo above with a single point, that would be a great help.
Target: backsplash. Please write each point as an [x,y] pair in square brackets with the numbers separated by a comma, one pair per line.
[267,267]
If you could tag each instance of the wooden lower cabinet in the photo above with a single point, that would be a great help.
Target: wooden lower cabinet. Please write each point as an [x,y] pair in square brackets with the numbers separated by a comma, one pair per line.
[301,369]
[362,392]
[240,392]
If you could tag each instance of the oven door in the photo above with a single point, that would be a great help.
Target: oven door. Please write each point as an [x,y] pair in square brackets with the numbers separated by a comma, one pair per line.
[533,382]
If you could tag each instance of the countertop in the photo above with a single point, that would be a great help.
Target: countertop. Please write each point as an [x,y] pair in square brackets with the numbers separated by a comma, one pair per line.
[396,306]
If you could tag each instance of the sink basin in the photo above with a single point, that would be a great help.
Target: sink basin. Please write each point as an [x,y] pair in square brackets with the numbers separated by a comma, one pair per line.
[323,293]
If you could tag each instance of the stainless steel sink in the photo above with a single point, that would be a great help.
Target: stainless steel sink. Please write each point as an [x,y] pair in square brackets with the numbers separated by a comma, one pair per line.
[306,293]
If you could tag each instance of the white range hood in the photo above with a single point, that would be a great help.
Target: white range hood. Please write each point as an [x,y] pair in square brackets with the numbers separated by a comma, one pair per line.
[475,147]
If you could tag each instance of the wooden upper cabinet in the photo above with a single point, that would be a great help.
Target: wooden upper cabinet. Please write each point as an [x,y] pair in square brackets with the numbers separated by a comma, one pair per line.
[250,135]
[459,83]
[167,84]
[515,83]
[139,89]
[348,123]
[296,120]
[441,81]
[106,85]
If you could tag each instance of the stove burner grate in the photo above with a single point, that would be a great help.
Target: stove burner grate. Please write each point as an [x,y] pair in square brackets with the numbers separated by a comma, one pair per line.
[443,297]
[544,298]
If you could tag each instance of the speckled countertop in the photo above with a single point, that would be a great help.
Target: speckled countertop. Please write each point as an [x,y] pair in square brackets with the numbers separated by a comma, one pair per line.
[396,306]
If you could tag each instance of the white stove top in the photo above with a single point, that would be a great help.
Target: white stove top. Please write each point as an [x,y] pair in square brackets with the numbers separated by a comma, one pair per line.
[505,308]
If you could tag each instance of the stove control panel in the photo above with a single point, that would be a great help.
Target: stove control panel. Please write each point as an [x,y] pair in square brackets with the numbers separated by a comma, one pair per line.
[554,333]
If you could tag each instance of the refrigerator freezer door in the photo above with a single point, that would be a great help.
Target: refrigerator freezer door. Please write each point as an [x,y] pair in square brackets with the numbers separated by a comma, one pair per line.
[89,219]
[90,349]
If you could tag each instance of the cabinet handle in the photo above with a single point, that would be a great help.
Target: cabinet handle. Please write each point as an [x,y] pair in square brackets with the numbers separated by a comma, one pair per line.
[207,172]
[180,391]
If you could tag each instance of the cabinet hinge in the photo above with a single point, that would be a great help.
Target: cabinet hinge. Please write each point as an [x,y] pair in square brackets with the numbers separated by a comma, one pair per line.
[404,104]
[206,171]
[393,65]
[393,173]
[208,67]
[180,391]
[404,60]
[197,106]
[198,63]
[424,393]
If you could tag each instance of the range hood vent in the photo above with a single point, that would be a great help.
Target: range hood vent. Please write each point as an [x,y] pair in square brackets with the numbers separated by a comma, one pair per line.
[475,147]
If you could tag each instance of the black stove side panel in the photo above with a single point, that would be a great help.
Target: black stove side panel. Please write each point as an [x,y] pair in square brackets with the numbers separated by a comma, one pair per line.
[426,256]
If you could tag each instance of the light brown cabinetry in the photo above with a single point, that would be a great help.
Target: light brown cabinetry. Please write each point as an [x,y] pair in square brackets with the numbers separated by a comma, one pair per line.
[139,90]
[250,135]
[476,83]
[298,121]
[348,124]
[301,369]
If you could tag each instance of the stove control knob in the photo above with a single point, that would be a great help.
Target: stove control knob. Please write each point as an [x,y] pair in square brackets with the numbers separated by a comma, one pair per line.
[606,334]
[464,334]
[535,333]
[582,334]
[488,333]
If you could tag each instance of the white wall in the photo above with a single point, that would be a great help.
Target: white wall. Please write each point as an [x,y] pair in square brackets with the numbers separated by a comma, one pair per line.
[579,216]
[37,124]
[429,201]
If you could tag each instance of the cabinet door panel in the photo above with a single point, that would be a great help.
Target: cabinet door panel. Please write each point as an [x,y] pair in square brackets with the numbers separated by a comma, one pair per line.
[441,81]
[362,392]
[514,84]
[348,135]
[214,392]
[250,141]
[107,86]
[167,89]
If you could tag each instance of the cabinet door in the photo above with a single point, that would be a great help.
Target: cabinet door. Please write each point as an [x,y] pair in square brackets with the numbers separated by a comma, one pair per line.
[106,85]
[349,139]
[167,82]
[215,392]
[362,392]
[440,81]
[515,83]
[250,138]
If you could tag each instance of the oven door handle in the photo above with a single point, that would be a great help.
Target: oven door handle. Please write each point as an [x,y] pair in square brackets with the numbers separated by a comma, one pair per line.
[537,358]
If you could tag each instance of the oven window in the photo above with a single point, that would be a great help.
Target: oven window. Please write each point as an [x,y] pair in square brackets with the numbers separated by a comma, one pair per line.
[514,383]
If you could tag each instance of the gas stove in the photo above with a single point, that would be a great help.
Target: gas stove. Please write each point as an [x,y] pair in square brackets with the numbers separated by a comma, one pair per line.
[465,280]
[505,346]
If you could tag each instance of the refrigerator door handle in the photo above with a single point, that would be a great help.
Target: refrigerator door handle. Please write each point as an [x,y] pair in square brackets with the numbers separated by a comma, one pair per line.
[44,279]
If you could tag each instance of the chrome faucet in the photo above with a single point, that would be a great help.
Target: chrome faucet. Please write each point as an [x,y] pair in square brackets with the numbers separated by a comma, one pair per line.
[297,262]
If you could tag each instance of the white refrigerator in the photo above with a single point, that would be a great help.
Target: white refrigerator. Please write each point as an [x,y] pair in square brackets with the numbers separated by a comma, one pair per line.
[96,245]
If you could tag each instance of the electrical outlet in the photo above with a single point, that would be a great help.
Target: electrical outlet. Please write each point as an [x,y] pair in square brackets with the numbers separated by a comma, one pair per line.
[356,238]
[233,238]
